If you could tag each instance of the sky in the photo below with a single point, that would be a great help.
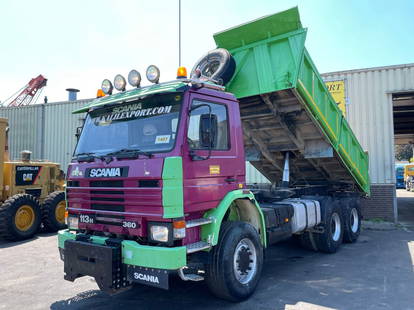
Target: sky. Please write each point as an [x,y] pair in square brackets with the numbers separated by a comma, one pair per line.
[79,43]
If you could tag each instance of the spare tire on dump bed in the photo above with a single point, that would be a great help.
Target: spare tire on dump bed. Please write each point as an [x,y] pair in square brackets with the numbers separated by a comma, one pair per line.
[217,65]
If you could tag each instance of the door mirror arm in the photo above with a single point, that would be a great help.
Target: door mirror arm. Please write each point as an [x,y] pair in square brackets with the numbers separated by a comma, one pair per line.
[78,133]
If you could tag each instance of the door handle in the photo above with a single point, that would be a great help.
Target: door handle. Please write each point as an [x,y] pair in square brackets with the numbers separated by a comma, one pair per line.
[230,180]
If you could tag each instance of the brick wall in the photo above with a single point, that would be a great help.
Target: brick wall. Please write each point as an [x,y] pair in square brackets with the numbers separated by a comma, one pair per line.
[380,204]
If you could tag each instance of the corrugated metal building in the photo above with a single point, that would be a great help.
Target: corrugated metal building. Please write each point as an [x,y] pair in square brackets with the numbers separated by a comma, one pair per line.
[371,100]
[48,130]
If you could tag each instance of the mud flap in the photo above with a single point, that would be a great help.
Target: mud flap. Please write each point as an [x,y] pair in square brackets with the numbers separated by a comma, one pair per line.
[148,276]
[103,262]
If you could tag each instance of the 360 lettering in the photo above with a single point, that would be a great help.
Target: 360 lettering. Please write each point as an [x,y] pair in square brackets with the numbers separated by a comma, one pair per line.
[127,224]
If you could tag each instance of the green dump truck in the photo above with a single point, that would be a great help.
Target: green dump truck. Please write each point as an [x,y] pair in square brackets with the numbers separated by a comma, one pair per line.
[157,184]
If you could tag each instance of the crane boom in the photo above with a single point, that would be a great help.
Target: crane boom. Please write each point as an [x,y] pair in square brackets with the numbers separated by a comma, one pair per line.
[28,92]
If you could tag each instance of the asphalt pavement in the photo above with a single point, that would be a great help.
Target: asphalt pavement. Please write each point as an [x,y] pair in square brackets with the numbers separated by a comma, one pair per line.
[374,273]
[377,273]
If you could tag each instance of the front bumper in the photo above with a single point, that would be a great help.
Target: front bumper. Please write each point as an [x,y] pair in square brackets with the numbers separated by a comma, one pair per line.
[112,261]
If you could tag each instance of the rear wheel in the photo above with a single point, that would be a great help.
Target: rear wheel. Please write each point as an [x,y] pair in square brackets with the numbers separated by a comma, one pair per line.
[19,217]
[235,263]
[352,222]
[331,238]
[53,211]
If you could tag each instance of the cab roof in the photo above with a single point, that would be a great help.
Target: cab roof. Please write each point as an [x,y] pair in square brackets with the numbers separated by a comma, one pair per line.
[133,94]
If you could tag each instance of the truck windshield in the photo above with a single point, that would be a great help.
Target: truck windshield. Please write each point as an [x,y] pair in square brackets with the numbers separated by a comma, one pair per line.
[148,125]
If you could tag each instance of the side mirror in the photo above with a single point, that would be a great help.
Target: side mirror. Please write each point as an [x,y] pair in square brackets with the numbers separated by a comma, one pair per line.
[208,130]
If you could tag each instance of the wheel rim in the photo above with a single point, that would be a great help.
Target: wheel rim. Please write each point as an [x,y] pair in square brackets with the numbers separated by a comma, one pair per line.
[354,220]
[211,68]
[60,211]
[335,227]
[245,261]
[24,218]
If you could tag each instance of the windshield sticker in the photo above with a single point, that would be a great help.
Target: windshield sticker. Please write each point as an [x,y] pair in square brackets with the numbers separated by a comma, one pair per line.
[131,111]
[162,139]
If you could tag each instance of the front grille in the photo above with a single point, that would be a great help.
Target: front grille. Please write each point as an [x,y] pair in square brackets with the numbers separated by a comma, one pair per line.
[118,183]
[115,220]
[107,199]
[73,183]
[107,207]
[148,183]
[108,192]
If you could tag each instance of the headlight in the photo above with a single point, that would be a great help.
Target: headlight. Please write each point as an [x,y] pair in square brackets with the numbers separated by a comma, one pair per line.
[153,74]
[160,232]
[107,86]
[73,222]
[119,82]
[134,78]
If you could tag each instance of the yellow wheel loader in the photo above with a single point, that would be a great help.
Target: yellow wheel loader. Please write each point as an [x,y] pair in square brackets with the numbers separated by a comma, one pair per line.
[32,193]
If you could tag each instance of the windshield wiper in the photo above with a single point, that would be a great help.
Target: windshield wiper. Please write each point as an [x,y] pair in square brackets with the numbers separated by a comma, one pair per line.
[128,153]
[86,156]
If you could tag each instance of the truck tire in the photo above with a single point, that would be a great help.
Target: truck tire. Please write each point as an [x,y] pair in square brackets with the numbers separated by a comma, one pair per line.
[235,264]
[352,221]
[53,211]
[217,65]
[20,217]
[331,238]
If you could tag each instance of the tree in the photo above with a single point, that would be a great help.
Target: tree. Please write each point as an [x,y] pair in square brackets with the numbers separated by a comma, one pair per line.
[403,152]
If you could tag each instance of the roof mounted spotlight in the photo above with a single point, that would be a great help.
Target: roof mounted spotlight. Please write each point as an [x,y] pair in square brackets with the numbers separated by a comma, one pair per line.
[119,82]
[107,87]
[134,78]
[153,74]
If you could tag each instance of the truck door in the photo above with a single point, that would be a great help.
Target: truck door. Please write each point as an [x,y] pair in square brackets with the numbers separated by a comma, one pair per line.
[216,166]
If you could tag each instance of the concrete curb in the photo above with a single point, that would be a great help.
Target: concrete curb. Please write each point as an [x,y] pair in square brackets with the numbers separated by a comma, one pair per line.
[370,225]
[386,226]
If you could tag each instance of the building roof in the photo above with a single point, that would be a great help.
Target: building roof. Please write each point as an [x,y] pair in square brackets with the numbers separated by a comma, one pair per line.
[402,66]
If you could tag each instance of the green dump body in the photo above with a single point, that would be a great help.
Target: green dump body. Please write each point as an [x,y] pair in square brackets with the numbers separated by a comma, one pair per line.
[285,106]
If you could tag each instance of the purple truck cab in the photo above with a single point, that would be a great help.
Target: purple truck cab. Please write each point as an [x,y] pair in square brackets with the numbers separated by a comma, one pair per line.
[120,194]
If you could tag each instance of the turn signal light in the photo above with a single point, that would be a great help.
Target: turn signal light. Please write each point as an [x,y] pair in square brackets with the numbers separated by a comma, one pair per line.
[179,224]
[182,73]
[179,229]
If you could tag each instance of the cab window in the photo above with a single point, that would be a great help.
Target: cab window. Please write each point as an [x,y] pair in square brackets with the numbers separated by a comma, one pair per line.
[220,140]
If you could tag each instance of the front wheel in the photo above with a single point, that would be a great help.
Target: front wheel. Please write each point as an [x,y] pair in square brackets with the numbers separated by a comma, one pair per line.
[235,263]
[19,217]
